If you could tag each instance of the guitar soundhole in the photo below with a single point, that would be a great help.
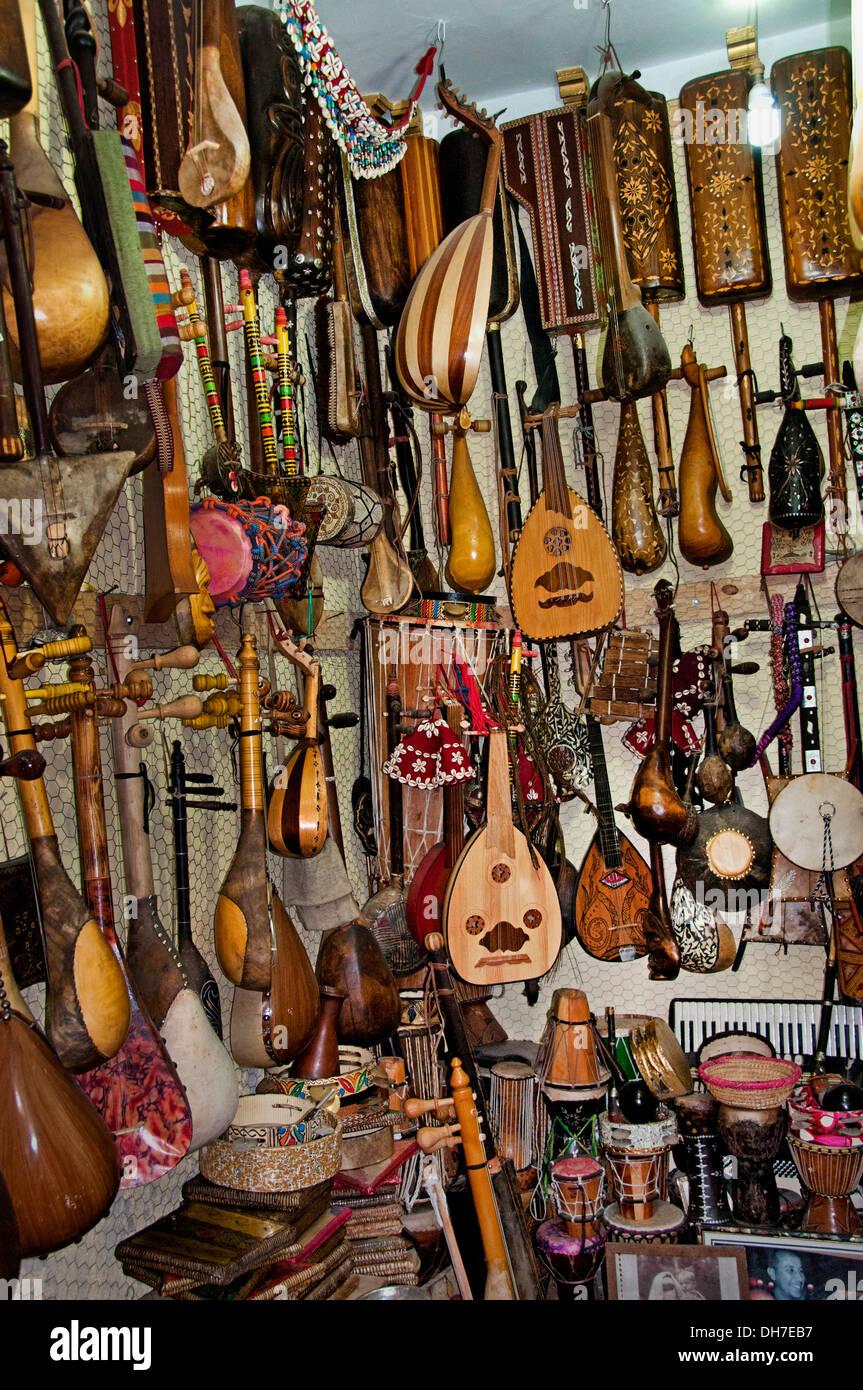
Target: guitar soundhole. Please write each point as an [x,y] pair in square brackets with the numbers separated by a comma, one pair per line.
[474,925]
[557,541]
[532,918]
[501,872]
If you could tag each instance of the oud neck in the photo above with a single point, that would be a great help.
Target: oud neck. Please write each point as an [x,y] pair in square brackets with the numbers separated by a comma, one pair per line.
[554,483]
[500,831]
[29,115]
[251,766]
[609,838]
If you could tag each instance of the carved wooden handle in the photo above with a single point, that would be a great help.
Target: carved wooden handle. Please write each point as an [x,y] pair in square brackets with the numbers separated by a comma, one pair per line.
[414,1107]
[180,659]
[186,707]
[443,1136]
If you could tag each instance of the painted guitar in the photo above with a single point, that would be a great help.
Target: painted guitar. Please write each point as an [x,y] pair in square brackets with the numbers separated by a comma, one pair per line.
[501,915]
[614,882]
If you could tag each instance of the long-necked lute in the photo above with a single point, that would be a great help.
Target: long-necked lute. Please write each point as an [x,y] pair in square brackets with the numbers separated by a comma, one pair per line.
[137,1092]
[276,1000]
[297,813]
[168,992]
[70,294]
[87,1006]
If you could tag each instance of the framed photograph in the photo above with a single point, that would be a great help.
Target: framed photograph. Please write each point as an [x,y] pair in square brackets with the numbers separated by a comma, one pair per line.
[794,1267]
[675,1273]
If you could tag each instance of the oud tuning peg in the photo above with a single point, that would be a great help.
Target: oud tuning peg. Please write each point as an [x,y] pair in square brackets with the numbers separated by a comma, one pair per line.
[54,692]
[28,663]
[220,682]
[180,659]
[186,707]
[434,1137]
[186,295]
[481,426]
[414,1107]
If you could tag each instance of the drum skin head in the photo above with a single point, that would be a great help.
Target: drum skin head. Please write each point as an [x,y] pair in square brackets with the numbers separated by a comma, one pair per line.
[223,543]
[797,821]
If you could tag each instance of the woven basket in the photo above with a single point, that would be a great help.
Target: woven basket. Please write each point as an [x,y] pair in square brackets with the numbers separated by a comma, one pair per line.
[749,1081]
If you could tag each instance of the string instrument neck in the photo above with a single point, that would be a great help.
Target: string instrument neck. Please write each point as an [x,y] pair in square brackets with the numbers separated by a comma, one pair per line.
[251,766]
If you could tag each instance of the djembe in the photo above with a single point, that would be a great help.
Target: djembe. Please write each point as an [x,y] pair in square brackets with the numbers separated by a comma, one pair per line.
[699,1156]
[570,1071]
[830,1169]
[512,1107]
[636,1158]
[572,1246]
[751,1091]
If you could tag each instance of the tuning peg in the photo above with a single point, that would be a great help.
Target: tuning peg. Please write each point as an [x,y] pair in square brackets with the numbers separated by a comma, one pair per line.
[180,298]
[180,659]
[220,682]
[744,668]
[441,1136]
[414,1107]
[186,707]
[28,663]
[53,692]
[26,765]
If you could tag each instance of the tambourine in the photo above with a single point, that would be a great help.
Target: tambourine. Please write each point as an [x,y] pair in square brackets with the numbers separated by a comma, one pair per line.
[253,550]
[817,821]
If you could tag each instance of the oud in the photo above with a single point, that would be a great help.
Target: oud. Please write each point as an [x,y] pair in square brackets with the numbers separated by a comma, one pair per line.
[566,576]
[501,916]
[276,1000]
[87,1004]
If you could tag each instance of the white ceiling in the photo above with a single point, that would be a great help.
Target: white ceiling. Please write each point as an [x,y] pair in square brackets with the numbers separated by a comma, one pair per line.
[506,52]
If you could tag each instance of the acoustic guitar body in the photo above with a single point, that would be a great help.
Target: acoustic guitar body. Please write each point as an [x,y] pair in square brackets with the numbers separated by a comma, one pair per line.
[501,917]
[566,577]
[57,1156]
[610,903]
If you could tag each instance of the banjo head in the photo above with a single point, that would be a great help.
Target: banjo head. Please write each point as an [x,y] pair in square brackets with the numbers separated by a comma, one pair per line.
[800,812]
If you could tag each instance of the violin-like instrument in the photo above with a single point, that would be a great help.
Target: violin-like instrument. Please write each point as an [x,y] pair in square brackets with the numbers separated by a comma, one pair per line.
[634,359]
[87,1008]
[216,164]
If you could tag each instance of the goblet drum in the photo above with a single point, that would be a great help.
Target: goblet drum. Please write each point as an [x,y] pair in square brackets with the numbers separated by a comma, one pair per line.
[570,1259]
[830,1169]
[699,1156]
[753,1137]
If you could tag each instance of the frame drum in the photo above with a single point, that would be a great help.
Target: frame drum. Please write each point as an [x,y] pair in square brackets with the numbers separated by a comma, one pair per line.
[803,809]
[731,1040]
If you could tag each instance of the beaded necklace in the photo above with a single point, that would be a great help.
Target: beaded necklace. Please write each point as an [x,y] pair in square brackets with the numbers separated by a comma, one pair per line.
[372,149]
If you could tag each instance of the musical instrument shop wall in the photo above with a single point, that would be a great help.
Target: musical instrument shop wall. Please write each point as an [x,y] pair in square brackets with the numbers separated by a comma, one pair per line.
[737,572]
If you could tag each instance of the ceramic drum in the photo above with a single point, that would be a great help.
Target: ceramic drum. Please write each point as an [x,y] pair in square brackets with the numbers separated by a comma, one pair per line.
[637,1158]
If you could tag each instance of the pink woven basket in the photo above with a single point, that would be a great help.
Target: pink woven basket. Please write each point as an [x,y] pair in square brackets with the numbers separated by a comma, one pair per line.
[749,1081]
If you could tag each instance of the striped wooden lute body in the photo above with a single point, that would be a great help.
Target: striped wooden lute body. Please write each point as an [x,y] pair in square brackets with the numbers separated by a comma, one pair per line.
[297,813]
[441,332]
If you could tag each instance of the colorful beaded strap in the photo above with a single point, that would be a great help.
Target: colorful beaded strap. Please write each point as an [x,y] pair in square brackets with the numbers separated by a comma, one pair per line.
[371,148]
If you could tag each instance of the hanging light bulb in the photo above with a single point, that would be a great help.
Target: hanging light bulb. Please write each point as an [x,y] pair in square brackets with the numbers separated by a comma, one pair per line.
[763,119]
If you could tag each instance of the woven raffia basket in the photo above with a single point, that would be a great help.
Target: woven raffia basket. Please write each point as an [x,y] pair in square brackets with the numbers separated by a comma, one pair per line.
[749,1081]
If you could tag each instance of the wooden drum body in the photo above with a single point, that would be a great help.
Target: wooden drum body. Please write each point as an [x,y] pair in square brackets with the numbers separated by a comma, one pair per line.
[753,1138]
[512,1109]
[831,1172]
[636,1158]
